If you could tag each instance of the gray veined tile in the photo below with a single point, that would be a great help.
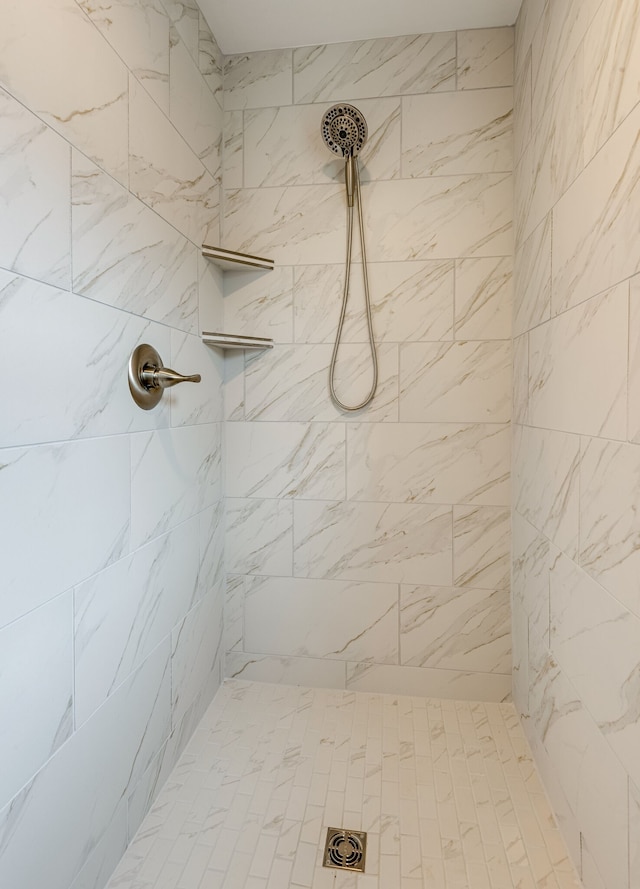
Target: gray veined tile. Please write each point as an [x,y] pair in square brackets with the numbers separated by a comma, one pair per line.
[36,691]
[195,655]
[234,614]
[34,196]
[428,682]
[310,672]
[561,360]
[485,58]
[522,124]
[455,629]
[88,395]
[532,558]
[481,547]
[166,173]
[520,407]
[257,80]
[449,133]
[184,15]
[609,525]
[195,403]
[72,498]
[589,627]
[212,529]
[126,255]
[367,629]
[410,301]
[407,543]
[193,110]
[260,304]
[634,833]
[210,59]
[545,483]
[259,536]
[293,460]
[532,279]
[461,382]
[233,149]
[429,463]
[87,100]
[484,296]
[369,68]
[139,33]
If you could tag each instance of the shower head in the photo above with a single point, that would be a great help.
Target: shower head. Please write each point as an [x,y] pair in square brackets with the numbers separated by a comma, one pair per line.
[344,130]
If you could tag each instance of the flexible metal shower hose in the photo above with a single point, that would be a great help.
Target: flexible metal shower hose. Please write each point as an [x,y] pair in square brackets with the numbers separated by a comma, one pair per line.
[345,297]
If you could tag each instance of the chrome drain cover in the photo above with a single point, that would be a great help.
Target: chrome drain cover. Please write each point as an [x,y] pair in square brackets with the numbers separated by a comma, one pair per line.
[345,849]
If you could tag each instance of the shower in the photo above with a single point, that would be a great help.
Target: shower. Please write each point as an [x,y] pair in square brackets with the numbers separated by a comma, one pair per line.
[344,131]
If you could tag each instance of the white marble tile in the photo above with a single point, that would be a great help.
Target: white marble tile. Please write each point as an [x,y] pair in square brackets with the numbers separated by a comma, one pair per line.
[531,563]
[107,853]
[520,407]
[633,416]
[554,157]
[299,460]
[283,146]
[34,196]
[313,672]
[484,297]
[522,124]
[434,463]
[293,225]
[545,483]
[409,300]
[462,382]
[259,536]
[291,383]
[397,543]
[124,612]
[139,33]
[609,523]
[210,59]
[212,533]
[532,279]
[428,682]
[481,547]
[88,394]
[634,834]
[92,772]
[589,773]
[195,653]
[520,660]
[233,637]
[558,35]
[210,295]
[439,218]
[193,403]
[455,629]
[126,255]
[258,80]
[590,628]
[233,392]
[561,361]
[612,74]
[166,173]
[367,629]
[485,58]
[389,66]
[74,500]
[36,691]
[175,473]
[464,132]
[86,100]
[525,27]
[193,109]
[260,304]
[184,15]
[595,223]
[233,149]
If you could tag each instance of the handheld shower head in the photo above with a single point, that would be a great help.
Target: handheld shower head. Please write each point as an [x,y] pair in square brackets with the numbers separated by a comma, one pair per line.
[344,130]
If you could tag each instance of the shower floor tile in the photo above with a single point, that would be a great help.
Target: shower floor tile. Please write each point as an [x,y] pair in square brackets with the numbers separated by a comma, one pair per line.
[446,790]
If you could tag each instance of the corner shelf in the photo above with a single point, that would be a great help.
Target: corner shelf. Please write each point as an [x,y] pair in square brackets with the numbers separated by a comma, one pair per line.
[232,261]
[228,341]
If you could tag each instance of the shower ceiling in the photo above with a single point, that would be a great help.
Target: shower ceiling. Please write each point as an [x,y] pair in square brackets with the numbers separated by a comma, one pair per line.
[250,25]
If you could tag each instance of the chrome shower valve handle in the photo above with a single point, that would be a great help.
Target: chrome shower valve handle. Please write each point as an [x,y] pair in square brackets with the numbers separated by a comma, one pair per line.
[148,378]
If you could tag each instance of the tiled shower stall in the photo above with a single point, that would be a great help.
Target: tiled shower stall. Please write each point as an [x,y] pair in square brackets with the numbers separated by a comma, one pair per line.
[246,528]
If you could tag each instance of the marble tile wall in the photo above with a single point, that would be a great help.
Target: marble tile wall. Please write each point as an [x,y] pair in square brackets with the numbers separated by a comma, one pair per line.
[576,608]
[111,518]
[371,551]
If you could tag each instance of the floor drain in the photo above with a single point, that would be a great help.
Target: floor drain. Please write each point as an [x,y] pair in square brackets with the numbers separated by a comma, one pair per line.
[345,849]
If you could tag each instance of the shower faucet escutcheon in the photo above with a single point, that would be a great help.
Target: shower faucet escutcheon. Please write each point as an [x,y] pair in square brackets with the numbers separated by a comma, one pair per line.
[148,378]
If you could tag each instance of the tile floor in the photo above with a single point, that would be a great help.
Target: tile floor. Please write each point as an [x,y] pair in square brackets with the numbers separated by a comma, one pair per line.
[446,789]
